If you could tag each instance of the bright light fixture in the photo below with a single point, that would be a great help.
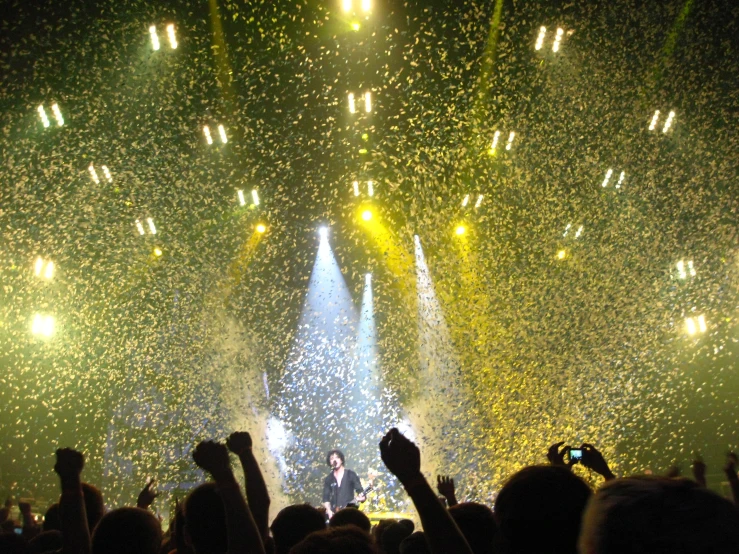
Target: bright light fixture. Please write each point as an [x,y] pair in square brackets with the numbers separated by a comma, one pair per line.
[460,230]
[57,114]
[154,37]
[43,325]
[242,200]
[567,229]
[261,228]
[621,179]
[152,228]
[157,251]
[368,102]
[562,254]
[346,5]
[655,119]
[355,186]
[579,232]
[511,136]
[702,324]
[93,174]
[42,114]
[690,326]
[206,132]
[366,5]
[668,123]
[222,133]
[43,268]
[608,178]
[494,144]
[370,188]
[140,227]
[106,172]
[171,35]
[366,215]
[540,38]
[466,200]
[479,201]
[255,197]
[352,104]
[557,40]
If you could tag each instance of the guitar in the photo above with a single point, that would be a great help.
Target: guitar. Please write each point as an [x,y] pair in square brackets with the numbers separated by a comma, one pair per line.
[368,489]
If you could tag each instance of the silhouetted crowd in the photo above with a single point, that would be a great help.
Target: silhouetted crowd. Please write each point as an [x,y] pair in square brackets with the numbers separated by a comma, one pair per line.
[541,509]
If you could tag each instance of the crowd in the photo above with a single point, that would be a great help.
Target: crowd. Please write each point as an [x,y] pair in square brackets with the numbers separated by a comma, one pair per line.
[541,509]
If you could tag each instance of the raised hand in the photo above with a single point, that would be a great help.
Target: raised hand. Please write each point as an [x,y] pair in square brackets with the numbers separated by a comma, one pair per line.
[699,471]
[401,456]
[213,457]
[147,495]
[556,456]
[69,463]
[732,461]
[238,442]
[593,459]
[445,486]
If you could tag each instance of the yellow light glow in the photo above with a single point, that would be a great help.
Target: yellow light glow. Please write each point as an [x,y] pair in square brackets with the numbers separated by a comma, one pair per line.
[158,251]
[49,273]
[154,37]
[562,254]
[43,325]
[540,38]
[39,266]
[690,326]
[702,327]
[261,228]
[355,26]
[366,5]
[352,104]
[460,230]
[171,35]
[346,5]
[44,118]
[366,215]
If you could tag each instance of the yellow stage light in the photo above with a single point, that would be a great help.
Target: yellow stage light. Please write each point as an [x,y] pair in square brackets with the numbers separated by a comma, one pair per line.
[261,228]
[460,230]
[562,254]
[154,37]
[171,35]
[366,215]
[540,38]
[158,251]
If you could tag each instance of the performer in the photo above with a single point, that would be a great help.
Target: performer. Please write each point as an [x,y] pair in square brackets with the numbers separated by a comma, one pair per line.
[342,486]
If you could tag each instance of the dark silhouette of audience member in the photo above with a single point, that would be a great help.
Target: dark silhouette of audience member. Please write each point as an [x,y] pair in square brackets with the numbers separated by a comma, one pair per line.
[415,543]
[539,510]
[477,524]
[127,531]
[205,520]
[659,515]
[337,540]
[394,535]
[351,516]
[293,524]
[51,518]
[44,542]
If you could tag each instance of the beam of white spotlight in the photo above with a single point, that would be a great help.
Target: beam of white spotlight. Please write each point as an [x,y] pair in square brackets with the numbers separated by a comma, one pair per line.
[44,118]
[557,40]
[242,200]
[479,201]
[655,119]
[222,133]
[57,114]
[154,37]
[171,35]
[255,197]
[93,174]
[152,227]
[668,123]
[206,132]
[540,38]
[352,103]
[368,102]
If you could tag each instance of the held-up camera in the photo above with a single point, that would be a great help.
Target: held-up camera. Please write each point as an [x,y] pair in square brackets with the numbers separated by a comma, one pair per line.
[575,454]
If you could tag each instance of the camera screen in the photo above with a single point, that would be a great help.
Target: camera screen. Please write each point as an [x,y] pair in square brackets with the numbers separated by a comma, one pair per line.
[575,454]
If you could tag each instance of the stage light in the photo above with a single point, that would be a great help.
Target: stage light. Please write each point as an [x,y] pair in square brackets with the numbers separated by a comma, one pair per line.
[557,40]
[479,201]
[93,174]
[323,232]
[154,37]
[157,251]
[368,102]
[261,228]
[494,144]
[370,188]
[621,179]
[460,230]
[690,326]
[466,201]
[106,172]
[43,325]
[242,200]
[366,215]
[702,324]
[368,279]
[171,35]
[352,105]
[152,228]
[57,114]
[567,229]
[42,114]
[140,227]
[510,140]
[655,118]
[255,197]
[579,232]
[668,123]
[346,5]
[222,132]
[691,269]
[366,5]
[362,151]
[355,26]
[608,178]
[681,273]
[540,38]
[206,132]
[355,184]
[562,254]
[44,269]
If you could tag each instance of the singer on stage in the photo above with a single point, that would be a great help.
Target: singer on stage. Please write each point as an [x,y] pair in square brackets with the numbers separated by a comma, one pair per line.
[342,486]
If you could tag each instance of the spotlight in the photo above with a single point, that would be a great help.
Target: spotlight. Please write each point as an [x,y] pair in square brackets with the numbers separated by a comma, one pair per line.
[206,132]
[346,5]
[479,201]
[366,5]
[621,179]
[352,104]
[567,229]
[242,200]
[222,132]
[44,269]
[140,227]
[668,123]
[368,102]
[171,35]
[557,40]
[579,232]
[355,26]
[540,38]
[43,325]
[460,230]
[608,178]
[691,269]
[702,324]
[655,118]
[57,114]
[106,172]
[157,251]
[494,144]
[255,197]
[42,114]
[355,184]
[261,228]
[466,201]
[370,188]
[154,37]
[681,273]
[562,254]
[695,325]
[93,174]
[368,279]
[323,232]
[510,140]
[152,228]
[366,215]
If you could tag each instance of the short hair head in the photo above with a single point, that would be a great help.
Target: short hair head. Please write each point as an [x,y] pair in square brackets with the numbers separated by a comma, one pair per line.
[659,515]
[339,453]
[351,516]
[205,519]
[293,524]
[477,523]
[127,530]
[337,540]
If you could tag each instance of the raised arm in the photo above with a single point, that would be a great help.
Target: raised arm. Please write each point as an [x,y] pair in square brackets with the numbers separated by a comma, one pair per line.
[445,486]
[243,535]
[403,459]
[593,459]
[75,534]
[730,470]
[257,495]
